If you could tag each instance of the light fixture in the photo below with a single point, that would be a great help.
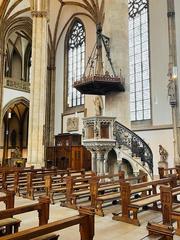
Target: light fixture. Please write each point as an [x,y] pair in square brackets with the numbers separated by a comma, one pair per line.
[174,73]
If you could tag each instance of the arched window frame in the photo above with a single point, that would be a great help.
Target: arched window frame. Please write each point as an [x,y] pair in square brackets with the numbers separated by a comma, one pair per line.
[73,100]
[139,60]
[27,63]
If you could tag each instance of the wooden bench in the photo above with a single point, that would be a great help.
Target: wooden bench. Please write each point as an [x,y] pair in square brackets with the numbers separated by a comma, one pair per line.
[76,188]
[8,198]
[170,208]
[85,219]
[108,192]
[165,172]
[42,207]
[55,188]
[131,207]
[56,185]
[159,232]
[9,224]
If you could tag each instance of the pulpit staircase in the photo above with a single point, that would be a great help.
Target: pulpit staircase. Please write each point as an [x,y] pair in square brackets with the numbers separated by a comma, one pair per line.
[133,148]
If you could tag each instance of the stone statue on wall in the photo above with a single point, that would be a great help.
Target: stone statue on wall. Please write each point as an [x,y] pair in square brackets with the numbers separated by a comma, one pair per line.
[17,153]
[98,106]
[172,91]
[163,154]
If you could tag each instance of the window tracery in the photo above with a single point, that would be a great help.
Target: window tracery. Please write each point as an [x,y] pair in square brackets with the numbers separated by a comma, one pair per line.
[75,63]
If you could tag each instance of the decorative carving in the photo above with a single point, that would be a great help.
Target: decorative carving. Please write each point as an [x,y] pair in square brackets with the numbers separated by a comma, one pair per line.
[17,84]
[126,137]
[83,133]
[39,13]
[172,92]
[163,154]
[136,7]
[72,124]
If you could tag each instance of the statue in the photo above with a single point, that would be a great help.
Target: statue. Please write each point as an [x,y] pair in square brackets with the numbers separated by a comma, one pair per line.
[96,132]
[163,154]
[83,133]
[17,153]
[98,106]
[172,91]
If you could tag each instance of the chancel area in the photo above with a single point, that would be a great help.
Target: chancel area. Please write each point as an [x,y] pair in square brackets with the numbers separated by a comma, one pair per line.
[89,119]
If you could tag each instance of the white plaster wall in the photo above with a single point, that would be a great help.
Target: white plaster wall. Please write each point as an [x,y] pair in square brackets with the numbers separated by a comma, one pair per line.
[159,54]
[155,137]
[10,94]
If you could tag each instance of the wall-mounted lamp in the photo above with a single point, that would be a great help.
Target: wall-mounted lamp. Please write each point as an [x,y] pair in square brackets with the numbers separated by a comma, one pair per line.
[174,73]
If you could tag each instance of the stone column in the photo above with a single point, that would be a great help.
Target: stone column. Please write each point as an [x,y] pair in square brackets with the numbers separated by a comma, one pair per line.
[172,85]
[38,83]
[105,156]
[93,161]
[2,56]
[117,16]
[100,160]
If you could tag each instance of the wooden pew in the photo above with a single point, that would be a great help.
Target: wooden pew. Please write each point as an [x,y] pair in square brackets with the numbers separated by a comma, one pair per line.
[85,219]
[147,198]
[76,188]
[56,185]
[37,186]
[8,198]
[108,192]
[8,224]
[42,207]
[159,232]
[55,188]
[170,208]
[165,172]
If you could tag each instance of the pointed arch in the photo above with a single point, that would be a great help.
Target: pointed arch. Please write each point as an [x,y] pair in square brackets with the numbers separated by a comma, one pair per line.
[15,101]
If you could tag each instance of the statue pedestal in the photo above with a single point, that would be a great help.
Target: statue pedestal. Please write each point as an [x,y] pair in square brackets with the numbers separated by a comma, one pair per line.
[162,164]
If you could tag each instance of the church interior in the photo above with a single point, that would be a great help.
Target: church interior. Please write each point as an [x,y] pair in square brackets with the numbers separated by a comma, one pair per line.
[89,119]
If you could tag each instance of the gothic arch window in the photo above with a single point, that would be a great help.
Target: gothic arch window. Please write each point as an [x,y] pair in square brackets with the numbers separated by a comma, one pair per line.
[75,62]
[139,62]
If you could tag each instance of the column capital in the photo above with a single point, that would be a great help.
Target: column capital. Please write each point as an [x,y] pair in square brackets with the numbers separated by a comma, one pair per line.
[2,52]
[36,13]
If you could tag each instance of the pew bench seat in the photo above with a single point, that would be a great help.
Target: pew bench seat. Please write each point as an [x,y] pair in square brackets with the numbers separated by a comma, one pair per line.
[159,232]
[113,196]
[72,201]
[10,224]
[50,236]
[58,189]
[100,200]
[145,201]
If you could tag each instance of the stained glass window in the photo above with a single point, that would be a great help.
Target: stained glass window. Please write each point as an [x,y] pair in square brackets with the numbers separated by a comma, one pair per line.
[76,62]
[140,104]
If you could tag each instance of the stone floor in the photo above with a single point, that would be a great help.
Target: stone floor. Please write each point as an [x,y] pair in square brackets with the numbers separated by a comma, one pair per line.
[105,227]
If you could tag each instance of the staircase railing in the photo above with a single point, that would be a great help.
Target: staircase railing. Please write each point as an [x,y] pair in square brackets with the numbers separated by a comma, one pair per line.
[139,148]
